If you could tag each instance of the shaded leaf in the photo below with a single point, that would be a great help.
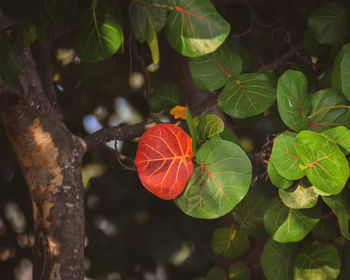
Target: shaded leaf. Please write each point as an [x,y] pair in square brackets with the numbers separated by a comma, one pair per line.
[339,135]
[324,230]
[209,126]
[340,71]
[239,271]
[300,196]
[164,97]
[248,95]
[230,242]
[163,160]
[192,129]
[10,66]
[340,205]
[285,158]
[219,181]
[345,260]
[214,70]
[311,45]
[289,225]
[292,100]
[317,260]
[277,260]
[242,51]
[277,179]
[229,135]
[325,164]
[216,273]
[63,12]
[249,213]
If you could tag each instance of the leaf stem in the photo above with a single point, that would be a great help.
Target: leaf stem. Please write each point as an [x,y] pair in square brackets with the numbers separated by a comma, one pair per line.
[325,109]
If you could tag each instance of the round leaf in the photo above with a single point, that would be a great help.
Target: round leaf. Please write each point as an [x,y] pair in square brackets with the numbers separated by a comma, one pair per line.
[249,95]
[277,179]
[325,164]
[239,271]
[164,97]
[195,28]
[339,135]
[285,158]
[216,273]
[242,51]
[99,38]
[163,160]
[230,243]
[277,260]
[317,260]
[289,225]
[292,100]
[214,70]
[300,196]
[219,182]
[209,126]
[229,135]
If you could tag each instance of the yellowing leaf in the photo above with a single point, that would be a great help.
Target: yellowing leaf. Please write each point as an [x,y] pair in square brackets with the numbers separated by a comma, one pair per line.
[179,112]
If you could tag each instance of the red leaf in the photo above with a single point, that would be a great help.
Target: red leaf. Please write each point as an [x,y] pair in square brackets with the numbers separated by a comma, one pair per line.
[163,160]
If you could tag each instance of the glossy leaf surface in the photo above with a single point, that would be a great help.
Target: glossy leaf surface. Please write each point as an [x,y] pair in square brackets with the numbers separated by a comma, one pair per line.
[164,97]
[195,28]
[325,164]
[219,182]
[239,271]
[277,260]
[248,95]
[289,225]
[317,260]
[293,102]
[214,70]
[277,179]
[163,160]
[339,135]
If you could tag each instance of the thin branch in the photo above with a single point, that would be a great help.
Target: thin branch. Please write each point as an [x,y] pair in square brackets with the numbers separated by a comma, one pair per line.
[122,159]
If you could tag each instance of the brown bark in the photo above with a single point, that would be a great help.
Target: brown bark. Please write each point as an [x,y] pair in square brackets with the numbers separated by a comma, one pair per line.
[50,159]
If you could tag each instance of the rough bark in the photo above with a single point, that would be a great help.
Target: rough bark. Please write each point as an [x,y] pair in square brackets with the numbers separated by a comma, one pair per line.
[50,159]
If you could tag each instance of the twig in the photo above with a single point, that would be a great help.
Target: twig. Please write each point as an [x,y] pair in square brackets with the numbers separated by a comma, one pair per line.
[121,157]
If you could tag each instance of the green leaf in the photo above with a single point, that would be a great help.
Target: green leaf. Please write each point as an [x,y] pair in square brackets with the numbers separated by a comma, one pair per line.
[277,179]
[285,158]
[317,260]
[239,271]
[10,66]
[209,126]
[340,205]
[300,196]
[230,242]
[216,273]
[241,50]
[249,213]
[229,135]
[249,95]
[289,225]
[164,97]
[219,182]
[325,164]
[195,28]
[99,38]
[192,129]
[214,70]
[292,99]
[345,260]
[324,230]
[329,118]
[328,23]
[277,260]
[311,45]
[341,70]
[339,135]
[63,12]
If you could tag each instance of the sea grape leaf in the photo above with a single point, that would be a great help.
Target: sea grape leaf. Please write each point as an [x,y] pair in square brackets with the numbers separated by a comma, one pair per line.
[214,70]
[292,100]
[164,97]
[317,260]
[300,196]
[249,213]
[329,118]
[328,23]
[216,273]
[230,242]
[100,35]
[345,260]
[277,179]
[209,126]
[289,225]
[242,51]
[325,164]
[62,12]
[192,129]
[277,260]
[324,230]
[229,135]
[10,66]
[239,271]
[311,45]
[285,158]
[339,135]
[195,28]
[340,71]
[248,95]
[340,205]
[219,182]
[163,160]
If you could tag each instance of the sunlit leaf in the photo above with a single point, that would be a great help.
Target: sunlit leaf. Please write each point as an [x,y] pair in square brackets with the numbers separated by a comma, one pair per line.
[248,95]
[163,160]
[219,182]
[277,179]
[325,164]
[317,260]
[292,99]
[289,225]
[195,28]
[339,135]
[164,97]
[239,271]
[209,126]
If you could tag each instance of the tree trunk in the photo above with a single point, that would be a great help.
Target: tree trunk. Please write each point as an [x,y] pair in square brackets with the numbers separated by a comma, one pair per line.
[50,159]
